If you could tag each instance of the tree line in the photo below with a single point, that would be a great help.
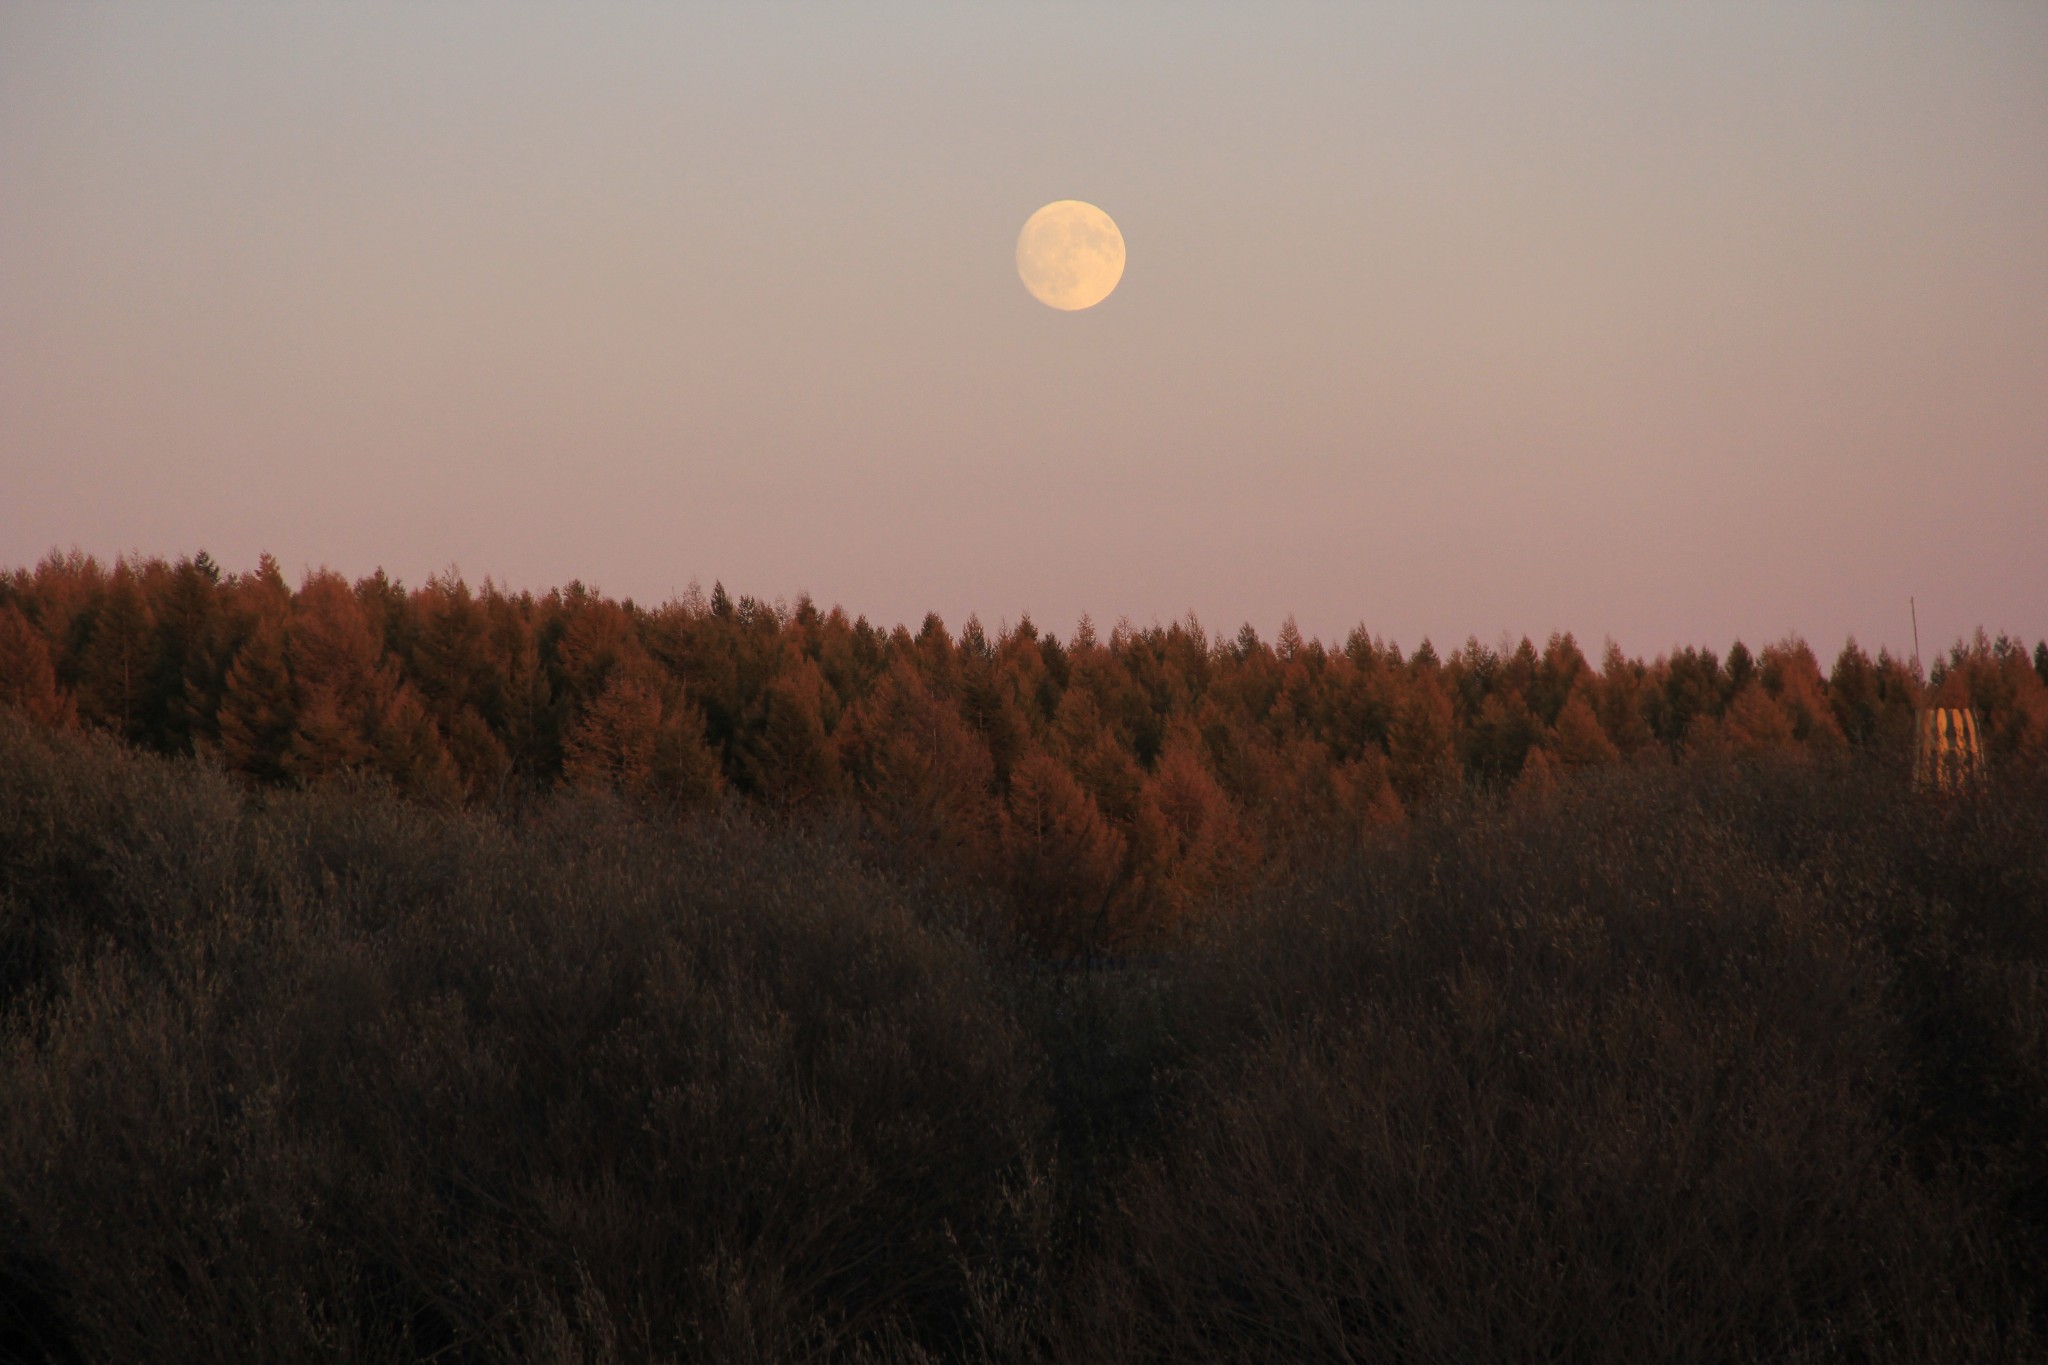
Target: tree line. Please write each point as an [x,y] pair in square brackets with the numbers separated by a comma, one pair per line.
[1108,784]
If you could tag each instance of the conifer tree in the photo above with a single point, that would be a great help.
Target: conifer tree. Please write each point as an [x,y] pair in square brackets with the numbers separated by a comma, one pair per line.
[612,745]
[1369,792]
[790,760]
[924,779]
[1500,736]
[258,713]
[342,684]
[66,589]
[1360,698]
[1622,703]
[465,676]
[686,771]
[1083,739]
[27,680]
[1421,743]
[635,742]
[118,659]
[1791,674]
[1063,860]
[1538,778]
[1853,694]
[1689,684]
[1755,723]
[1560,673]
[188,630]
[1740,668]
[935,654]
[1577,741]
[406,747]
[990,702]
[1197,843]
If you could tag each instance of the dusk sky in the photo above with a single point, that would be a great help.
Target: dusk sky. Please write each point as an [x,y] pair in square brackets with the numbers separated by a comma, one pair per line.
[1666,323]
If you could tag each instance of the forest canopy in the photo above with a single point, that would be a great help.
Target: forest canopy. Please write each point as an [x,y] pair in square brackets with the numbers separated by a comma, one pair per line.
[1111,782]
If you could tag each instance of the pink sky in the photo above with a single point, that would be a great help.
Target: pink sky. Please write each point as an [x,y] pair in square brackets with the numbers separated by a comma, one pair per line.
[1665,326]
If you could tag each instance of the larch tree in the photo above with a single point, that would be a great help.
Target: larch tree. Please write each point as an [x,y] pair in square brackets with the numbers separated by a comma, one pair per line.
[1623,702]
[611,747]
[789,759]
[1064,861]
[1792,676]
[1193,841]
[639,739]
[1755,723]
[118,658]
[1576,740]
[463,679]
[1853,694]
[1422,751]
[341,684]
[28,681]
[925,780]
[1084,740]
[189,628]
[258,712]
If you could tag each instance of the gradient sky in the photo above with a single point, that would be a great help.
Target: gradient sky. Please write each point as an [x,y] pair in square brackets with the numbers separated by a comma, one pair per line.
[1665,323]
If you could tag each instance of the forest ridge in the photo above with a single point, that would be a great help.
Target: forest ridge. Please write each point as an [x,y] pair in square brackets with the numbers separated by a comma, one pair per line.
[1110,783]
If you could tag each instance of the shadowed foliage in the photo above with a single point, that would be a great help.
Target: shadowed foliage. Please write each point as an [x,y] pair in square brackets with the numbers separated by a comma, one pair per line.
[1740,1059]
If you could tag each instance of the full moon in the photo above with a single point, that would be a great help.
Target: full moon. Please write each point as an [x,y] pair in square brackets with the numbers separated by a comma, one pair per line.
[1070,255]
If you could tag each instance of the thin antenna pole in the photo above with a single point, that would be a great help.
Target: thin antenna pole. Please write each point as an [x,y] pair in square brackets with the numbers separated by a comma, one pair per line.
[1914,607]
